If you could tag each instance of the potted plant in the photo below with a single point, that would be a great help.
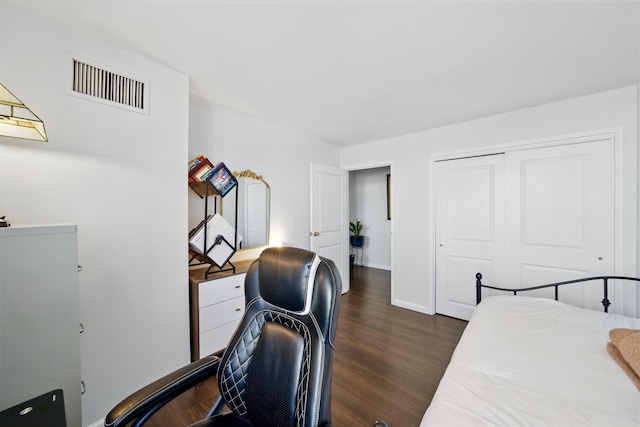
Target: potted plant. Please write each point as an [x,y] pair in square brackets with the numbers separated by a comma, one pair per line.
[355,228]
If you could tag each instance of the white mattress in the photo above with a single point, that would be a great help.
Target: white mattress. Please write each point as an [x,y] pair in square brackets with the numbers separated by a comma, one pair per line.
[526,361]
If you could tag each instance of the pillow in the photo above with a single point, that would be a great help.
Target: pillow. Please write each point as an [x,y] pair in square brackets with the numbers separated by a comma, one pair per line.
[625,350]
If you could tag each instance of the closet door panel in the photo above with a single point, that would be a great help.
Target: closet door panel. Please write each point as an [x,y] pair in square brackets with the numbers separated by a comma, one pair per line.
[469,230]
[560,217]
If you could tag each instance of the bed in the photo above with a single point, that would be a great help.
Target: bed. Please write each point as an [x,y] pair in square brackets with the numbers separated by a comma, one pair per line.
[530,361]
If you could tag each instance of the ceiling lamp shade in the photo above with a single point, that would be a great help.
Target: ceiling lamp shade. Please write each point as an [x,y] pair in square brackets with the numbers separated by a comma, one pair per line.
[17,121]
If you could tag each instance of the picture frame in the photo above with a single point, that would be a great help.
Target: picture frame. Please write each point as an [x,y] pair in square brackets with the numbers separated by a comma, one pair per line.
[388,196]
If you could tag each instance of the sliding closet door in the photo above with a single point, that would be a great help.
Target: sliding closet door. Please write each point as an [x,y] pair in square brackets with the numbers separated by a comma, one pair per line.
[522,219]
[560,222]
[469,230]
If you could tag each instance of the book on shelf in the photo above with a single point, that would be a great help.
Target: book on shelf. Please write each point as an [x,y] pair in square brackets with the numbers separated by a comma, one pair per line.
[199,173]
[196,161]
[198,168]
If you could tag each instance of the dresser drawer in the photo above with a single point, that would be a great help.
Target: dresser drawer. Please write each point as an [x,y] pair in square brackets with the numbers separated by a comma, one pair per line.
[216,315]
[216,339]
[217,290]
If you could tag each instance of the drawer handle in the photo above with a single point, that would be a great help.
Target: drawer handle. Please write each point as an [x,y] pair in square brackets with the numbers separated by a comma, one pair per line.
[237,286]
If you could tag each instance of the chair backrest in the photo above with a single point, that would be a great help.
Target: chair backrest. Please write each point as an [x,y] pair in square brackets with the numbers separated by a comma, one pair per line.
[276,370]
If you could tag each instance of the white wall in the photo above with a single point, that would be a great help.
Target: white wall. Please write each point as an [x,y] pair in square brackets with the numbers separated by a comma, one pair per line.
[413,239]
[281,157]
[368,203]
[118,175]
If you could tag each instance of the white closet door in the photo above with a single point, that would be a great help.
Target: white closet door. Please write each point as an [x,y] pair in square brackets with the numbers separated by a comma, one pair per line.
[469,230]
[522,219]
[560,218]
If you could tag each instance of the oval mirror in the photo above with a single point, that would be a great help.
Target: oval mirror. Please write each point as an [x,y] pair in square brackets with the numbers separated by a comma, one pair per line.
[253,209]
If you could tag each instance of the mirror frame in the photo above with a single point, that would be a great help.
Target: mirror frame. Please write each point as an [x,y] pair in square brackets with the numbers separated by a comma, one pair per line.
[251,174]
[247,173]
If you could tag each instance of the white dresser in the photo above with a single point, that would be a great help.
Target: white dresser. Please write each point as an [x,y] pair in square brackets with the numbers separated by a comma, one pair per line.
[216,307]
[39,325]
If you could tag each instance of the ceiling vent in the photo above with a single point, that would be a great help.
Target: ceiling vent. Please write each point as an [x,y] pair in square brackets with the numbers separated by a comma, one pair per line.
[108,87]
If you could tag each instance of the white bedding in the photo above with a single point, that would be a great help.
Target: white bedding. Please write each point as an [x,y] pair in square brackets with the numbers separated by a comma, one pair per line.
[526,361]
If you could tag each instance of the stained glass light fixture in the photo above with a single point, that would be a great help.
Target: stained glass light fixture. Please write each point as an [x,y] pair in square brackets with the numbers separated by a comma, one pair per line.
[18,121]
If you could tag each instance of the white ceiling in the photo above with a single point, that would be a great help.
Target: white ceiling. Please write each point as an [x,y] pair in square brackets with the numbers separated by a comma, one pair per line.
[351,71]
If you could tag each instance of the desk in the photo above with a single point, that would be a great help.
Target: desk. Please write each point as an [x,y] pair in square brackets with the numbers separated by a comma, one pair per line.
[216,305]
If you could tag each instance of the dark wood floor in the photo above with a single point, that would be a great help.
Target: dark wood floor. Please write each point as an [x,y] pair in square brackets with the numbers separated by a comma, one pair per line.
[387,362]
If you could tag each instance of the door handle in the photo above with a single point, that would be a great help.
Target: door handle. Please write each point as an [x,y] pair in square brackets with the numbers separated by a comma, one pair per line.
[315,233]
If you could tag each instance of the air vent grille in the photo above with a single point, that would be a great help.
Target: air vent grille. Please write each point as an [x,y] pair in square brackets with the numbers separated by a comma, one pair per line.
[109,86]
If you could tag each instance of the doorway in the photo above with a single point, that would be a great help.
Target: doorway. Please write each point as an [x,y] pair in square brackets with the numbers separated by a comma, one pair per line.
[370,203]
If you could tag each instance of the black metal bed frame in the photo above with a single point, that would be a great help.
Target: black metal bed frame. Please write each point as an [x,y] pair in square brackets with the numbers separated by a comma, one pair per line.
[605,301]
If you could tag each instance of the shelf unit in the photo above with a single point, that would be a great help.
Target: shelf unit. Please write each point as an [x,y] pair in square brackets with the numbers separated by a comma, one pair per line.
[205,189]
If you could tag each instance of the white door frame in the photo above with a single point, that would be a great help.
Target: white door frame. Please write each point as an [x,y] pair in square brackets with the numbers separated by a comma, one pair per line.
[625,294]
[391,195]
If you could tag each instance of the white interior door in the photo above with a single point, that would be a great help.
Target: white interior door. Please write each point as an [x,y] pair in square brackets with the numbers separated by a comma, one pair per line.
[560,218]
[329,217]
[469,230]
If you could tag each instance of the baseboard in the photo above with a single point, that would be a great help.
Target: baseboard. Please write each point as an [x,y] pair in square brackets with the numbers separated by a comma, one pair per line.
[412,306]
[370,265]
[99,423]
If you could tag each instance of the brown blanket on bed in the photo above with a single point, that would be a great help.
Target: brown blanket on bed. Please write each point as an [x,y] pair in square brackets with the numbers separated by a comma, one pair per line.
[625,350]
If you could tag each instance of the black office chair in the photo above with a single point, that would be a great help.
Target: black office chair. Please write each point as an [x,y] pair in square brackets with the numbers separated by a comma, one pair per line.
[276,370]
